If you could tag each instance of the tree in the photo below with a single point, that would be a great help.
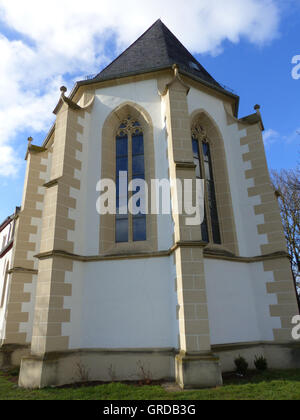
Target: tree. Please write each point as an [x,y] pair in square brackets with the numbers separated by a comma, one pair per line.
[287,188]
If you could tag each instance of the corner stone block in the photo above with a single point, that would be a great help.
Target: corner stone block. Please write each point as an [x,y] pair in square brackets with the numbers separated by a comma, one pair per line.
[199,371]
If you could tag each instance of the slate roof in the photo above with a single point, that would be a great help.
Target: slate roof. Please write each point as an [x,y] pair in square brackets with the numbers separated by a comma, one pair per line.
[156,49]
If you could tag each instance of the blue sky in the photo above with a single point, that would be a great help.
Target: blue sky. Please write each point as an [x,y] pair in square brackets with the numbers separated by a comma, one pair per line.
[262,75]
[248,48]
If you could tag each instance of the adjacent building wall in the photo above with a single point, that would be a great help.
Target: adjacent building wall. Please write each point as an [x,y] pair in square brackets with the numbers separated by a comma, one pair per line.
[6,237]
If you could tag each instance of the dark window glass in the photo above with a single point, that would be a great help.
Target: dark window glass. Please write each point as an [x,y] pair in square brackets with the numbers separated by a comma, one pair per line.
[204,230]
[137,145]
[205,147]
[138,165]
[121,165]
[211,194]
[122,146]
[198,168]
[195,148]
[138,172]
[139,228]
[121,229]
[204,227]
[138,176]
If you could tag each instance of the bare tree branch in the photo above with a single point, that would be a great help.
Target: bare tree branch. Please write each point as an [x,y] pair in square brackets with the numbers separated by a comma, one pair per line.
[287,187]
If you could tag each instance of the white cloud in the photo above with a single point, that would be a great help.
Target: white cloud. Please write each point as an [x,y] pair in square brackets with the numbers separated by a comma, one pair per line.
[270,136]
[295,135]
[9,163]
[56,37]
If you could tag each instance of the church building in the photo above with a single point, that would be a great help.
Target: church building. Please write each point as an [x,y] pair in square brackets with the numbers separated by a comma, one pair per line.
[114,297]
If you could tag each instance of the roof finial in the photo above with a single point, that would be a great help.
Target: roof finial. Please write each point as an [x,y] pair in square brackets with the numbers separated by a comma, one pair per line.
[257,109]
[66,100]
[63,90]
[30,140]
[177,78]
[176,69]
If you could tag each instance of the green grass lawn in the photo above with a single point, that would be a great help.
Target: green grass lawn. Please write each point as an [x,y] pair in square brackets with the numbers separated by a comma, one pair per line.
[271,385]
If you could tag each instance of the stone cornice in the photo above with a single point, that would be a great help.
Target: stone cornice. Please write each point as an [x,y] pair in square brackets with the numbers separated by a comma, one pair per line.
[251,119]
[224,256]
[51,183]
[34,149]
[185,165]
[208,253]
[99,83]
[240,346]
[92,258]
[22,270]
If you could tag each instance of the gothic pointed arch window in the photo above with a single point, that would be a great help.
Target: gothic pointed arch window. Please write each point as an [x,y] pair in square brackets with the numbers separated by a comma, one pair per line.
[130,160]
[204,170]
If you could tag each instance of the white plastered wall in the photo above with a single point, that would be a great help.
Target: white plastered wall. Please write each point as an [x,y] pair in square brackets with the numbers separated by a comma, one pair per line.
[123,304]
[249,241]
[238,302]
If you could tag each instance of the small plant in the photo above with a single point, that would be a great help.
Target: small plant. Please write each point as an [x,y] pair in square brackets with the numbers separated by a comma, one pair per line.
[14,371]
[112,373]
[261,363]
[82,372]
[241,366]
[145,374]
